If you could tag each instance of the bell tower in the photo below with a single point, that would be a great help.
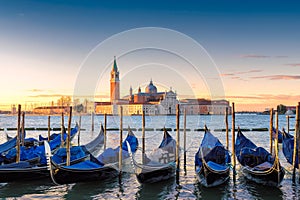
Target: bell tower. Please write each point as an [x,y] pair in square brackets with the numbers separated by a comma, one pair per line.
[114,82]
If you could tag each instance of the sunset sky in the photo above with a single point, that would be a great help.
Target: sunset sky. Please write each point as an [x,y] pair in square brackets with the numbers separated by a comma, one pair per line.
[255,46]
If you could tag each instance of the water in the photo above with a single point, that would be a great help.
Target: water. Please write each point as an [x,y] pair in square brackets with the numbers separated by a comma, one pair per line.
[128,187]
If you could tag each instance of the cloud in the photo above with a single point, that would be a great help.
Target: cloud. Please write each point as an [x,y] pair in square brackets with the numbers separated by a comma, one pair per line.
[261,56]
[280,97]
[293,64]
[227,74]
[278,77]
[242,72]
[281,56]
[254,56]
[48,95]
[243,97]
[235,75]
[37,90]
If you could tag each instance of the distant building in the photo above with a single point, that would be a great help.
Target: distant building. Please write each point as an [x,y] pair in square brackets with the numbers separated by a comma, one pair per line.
[51,110]
[150,101]
[205,107]
[114,83]
[153,102]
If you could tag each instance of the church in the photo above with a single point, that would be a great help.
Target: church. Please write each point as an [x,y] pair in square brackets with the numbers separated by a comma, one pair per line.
[151,101]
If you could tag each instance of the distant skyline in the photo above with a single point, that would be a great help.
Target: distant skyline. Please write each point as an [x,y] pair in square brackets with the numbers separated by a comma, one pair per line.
[254,44]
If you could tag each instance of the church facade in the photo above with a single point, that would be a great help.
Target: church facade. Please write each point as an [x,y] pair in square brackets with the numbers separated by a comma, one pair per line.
[151,101]
[154,102]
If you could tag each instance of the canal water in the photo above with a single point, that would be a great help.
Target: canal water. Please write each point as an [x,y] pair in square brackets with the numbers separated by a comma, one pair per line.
[128,187]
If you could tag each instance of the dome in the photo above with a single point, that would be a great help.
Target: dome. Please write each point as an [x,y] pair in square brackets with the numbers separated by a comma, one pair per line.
[151,88]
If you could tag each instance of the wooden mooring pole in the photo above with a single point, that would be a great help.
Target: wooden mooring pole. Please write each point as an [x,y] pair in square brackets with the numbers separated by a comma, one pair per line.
[49,128]
[276,146]
[177,143]
[121,140]
[93,122]
[18,135]
[62,130]
[227,132]
[69,138]
[233,140]
[143,137]
[105,127]
[271,131]
[79,130]
[288,123]
[184,139]
[297,142]
[298,136]
[23,129]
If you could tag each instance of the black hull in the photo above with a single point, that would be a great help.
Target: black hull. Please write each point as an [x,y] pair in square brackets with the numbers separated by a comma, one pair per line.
[271,177]
[17,174]
[156,175]
[61,175]
[212,178]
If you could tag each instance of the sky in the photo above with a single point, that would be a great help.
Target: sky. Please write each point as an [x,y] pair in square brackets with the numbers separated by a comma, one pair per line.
[254,46]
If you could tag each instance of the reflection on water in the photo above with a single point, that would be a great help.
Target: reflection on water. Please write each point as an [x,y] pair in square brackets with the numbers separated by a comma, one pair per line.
[219,192]
[162,190]
[128,187]
[28,188]
[90,190]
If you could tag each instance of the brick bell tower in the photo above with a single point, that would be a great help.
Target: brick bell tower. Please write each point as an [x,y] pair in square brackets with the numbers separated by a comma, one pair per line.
[114,83]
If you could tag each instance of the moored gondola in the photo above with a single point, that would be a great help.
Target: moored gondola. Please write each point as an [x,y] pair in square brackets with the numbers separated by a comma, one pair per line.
[257,163]
[92,168]
[35,166]
[212,161]
[160,164]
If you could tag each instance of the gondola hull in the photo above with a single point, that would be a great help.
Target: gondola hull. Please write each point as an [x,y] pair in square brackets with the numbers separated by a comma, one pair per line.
[24,174]
[159,167]
[270,177]
[209,177]
[212,161]
[258,165]
[151,175]
[62,175]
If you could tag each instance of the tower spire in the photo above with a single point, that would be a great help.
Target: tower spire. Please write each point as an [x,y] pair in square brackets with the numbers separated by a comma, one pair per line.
[115,66]
[114,82]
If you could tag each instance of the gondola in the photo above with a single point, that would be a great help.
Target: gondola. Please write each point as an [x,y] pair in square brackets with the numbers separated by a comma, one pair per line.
[288,148]
[212,161]
[33,164]
[6,146]
[8,153]
[159,164]
[99,168]
[10,143]
[7,136]
[34,150]
[257,163]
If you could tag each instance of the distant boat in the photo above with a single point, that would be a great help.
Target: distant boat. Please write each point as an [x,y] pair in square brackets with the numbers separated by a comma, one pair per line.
[258,165]
[159,164]
[212,161]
